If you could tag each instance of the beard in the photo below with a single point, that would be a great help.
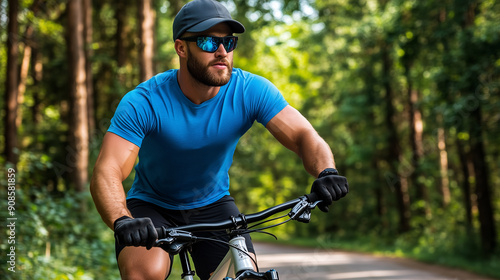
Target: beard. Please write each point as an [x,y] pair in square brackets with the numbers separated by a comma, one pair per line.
[202,74]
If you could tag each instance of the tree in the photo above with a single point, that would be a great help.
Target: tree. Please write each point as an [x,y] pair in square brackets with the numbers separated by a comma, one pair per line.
[394,154]
[11,85]
[121,34]
[146,17]
[474,65]
[79,134]
[415,122]
[87,12]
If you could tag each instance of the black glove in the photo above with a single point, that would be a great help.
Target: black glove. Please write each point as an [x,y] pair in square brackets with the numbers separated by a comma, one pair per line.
[135,232]
[329,187]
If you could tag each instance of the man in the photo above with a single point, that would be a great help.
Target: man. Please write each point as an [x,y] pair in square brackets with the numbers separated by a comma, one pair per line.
[184,125]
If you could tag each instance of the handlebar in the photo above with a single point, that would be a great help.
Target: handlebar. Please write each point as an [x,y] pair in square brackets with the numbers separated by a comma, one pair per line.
[298,206]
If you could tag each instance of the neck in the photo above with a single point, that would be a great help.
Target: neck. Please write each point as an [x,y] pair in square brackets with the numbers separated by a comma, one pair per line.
[195,91]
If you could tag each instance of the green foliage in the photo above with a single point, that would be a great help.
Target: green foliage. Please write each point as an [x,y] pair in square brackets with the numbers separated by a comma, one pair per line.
[61,236]
[327,58]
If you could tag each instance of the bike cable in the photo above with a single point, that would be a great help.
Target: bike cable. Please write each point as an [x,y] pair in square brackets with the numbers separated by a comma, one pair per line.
[235,247]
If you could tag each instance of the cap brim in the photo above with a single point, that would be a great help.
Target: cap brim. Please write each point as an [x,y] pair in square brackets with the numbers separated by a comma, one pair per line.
[235,26]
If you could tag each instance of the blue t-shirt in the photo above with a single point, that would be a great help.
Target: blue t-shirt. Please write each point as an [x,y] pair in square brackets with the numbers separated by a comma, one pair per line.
[186,149]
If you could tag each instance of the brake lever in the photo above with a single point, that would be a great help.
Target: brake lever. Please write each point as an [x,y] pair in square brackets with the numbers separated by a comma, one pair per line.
[176,241]
[298,209]
[168,241]
[314,204]
[182,235]
[176,235]
[301,212]
[301,207]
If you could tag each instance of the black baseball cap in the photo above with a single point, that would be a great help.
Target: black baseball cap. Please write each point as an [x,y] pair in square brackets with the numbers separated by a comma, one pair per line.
[201,15]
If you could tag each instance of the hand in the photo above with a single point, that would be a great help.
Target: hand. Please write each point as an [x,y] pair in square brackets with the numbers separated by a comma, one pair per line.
[329,188]
[135,232]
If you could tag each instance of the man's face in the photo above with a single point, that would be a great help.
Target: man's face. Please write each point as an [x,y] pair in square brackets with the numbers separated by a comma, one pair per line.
[211,69]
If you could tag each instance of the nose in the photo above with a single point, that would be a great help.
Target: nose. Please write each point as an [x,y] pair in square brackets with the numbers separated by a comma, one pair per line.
[221,51]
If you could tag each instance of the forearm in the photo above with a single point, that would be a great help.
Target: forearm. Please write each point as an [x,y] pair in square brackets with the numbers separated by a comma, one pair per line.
[297,134]
[315,153]
[109,196]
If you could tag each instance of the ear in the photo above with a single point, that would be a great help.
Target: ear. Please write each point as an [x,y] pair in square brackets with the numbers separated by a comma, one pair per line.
[181,48]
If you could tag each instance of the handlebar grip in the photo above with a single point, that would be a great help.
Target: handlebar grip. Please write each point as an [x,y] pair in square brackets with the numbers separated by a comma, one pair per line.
[312,197]
[162,233]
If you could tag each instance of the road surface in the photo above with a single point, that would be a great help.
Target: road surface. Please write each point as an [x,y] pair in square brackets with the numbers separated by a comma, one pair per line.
[296,263]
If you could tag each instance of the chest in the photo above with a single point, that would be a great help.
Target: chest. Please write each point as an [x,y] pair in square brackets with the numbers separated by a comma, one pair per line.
[184,127]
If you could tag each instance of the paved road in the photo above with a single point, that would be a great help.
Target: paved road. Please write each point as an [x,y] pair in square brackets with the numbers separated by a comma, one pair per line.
[295,263]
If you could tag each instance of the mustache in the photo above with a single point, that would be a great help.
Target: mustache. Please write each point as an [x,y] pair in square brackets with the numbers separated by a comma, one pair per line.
[220,61]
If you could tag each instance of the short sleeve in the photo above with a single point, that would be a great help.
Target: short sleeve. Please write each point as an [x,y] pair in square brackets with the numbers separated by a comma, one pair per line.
[265,100]
[133,119]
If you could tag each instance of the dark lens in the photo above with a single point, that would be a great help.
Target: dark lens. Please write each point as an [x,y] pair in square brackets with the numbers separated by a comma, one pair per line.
[208,44]
[230,43]
[211,44]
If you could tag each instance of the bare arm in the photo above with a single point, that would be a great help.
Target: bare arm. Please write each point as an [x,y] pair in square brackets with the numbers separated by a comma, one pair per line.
[114,163]
[296,133]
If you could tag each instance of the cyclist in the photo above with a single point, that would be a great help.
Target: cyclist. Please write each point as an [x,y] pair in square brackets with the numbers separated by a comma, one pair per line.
[184,125]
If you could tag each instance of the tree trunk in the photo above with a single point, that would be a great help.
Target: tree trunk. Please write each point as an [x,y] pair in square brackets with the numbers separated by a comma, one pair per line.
[483,189]
[78,92]
[416,142]
[121,32]
[394,150]
[25,64]
[23,75]
[11,85]
[466,187]
[88,30]
[372,97]
[146,35]
[443,164]
[36,75]
[477,150]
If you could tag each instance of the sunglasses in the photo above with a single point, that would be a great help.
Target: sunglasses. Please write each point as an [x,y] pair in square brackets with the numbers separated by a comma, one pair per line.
[211,43]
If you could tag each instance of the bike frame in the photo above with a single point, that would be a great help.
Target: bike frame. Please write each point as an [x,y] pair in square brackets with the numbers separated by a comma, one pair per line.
[235,260]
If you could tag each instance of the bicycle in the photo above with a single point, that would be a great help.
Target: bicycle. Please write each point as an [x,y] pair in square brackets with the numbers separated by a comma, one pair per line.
[237,264]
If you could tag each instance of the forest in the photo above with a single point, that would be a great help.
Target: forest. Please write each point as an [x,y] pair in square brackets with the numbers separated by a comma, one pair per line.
[406,93]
